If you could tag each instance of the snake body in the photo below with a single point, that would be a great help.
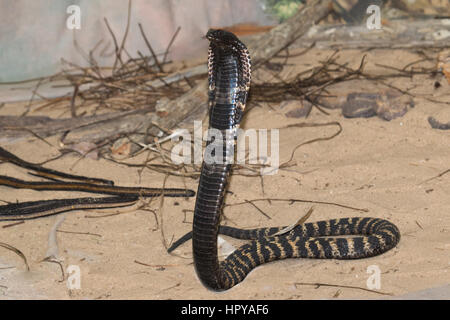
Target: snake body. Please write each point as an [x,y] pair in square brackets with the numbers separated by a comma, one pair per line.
[229,82]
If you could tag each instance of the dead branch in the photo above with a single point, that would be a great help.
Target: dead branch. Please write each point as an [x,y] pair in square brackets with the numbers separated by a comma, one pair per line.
[395,34]
[265,46]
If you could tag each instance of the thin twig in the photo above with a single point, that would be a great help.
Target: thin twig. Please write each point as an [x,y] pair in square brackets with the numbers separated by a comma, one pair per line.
[438,176]
[83,233]
[150,48]
[156,265]
[318,285]
[118,58]
[13,224]
[16,251]
[119,53]
[170,45]
[257,208]
[292,200]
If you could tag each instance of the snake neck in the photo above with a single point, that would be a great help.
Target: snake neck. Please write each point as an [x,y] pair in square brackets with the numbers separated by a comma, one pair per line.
[224,110]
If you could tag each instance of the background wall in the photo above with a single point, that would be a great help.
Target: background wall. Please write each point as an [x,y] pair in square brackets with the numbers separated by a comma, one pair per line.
[34,36]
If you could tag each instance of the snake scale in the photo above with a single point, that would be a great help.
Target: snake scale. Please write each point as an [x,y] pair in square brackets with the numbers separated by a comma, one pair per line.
[229,81]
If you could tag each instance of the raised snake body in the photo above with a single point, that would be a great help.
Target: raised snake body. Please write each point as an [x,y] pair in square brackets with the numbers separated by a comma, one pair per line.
[229,82]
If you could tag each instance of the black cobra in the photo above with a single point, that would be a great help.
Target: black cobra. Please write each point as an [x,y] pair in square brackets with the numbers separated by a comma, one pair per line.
[229,81]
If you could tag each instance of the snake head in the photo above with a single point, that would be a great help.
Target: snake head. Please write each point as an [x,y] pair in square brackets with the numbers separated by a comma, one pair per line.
[224,39]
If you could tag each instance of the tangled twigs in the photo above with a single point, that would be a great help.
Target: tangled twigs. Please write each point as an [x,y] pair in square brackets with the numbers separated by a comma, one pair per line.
[160,162]
[306,87]
[126,85]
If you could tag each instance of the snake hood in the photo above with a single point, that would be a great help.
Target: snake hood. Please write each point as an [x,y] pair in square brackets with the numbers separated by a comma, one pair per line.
[229,76]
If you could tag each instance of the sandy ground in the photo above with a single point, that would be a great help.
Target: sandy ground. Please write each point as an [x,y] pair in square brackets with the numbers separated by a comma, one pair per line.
[372,164]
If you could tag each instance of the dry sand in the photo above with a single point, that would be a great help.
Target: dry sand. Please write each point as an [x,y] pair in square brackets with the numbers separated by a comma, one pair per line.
[372,164]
